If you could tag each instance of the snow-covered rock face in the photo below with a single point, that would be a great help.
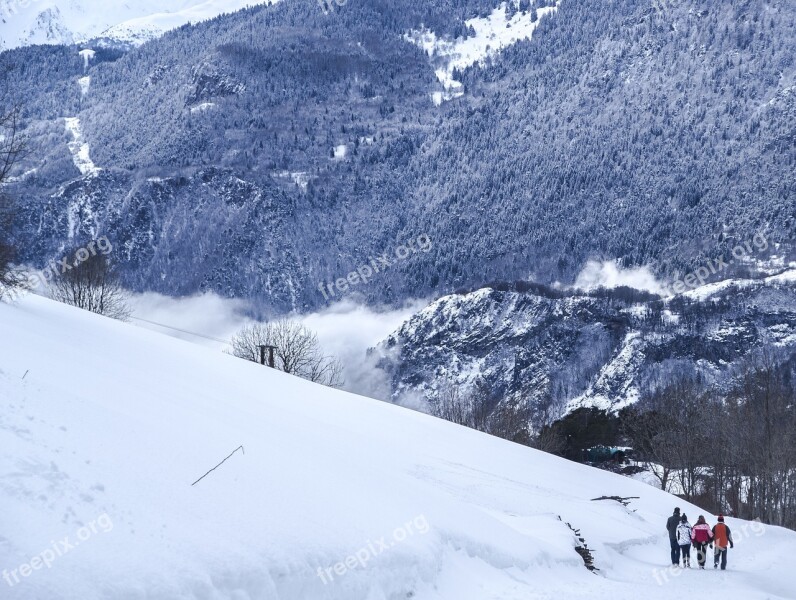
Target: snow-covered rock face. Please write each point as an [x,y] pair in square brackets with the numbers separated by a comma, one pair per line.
[27,22]
[99,449]
[585,351]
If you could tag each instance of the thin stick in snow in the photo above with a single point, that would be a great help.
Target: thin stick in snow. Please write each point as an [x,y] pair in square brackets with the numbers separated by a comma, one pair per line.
[219,464]
[620,499]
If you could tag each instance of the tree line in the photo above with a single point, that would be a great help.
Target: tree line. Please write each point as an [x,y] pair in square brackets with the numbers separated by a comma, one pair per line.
[730,450]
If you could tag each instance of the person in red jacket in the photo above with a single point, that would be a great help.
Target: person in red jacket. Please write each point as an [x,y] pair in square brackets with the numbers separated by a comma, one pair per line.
[721,537]
[701,536]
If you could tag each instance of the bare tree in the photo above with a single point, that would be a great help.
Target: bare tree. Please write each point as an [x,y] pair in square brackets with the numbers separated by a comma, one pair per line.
[12,279]
[547,437]
[511,420]
[12,148]
[452,406]
[12,143]
[477,408]
[653,435]
[92,285]
[763,421]
[297,350]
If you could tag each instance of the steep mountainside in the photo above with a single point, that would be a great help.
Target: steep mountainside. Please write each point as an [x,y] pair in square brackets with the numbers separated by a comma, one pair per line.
[652,134]
[604,350]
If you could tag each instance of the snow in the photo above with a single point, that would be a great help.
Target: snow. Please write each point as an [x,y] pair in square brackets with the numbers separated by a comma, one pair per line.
[105,426]
[298,178]
[704,292]
[202,107]
[85,84]
[23,176]
[26,22]
[785,277]
[610,275]
[139,30]
[87,55]
[301,179]
[79,148]
[340,151]
[492,34]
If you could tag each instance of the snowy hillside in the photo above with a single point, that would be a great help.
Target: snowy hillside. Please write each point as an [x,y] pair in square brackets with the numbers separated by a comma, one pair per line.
[73,21]
[104,427]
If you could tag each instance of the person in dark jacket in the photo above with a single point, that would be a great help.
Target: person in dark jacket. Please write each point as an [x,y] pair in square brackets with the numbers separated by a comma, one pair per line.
[721,538]
[671,527]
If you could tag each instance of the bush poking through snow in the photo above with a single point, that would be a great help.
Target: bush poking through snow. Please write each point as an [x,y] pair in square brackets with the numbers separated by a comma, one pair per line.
[582,548]
[623,501]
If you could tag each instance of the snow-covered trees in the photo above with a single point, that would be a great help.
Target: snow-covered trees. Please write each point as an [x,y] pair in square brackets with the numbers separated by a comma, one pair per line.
[564,148]
[731,451]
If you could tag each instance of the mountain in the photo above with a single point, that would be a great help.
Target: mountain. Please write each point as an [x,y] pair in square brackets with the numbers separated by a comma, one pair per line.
[113,23]
[522,139]
[604,349]
[142,466]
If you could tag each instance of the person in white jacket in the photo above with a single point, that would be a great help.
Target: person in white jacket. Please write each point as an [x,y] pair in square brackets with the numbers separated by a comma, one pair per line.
[684,540]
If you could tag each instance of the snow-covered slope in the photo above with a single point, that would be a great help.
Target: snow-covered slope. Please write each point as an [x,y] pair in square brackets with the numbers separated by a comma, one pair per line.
[104,427]
[23,23]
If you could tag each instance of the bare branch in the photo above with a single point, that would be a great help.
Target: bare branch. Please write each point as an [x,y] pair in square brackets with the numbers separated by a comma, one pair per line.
[92,285]
[297,350]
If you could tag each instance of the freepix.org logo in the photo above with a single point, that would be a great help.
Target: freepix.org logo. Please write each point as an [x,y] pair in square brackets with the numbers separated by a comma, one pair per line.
[364,273]
[58,548]
[101,245]
[373,548]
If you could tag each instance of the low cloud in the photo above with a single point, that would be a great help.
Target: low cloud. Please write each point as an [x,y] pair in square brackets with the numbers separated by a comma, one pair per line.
[345,330]
[205,319]
[609,274]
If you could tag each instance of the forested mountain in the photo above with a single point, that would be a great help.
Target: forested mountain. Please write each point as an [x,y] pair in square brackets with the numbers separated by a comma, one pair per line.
[266,152]
[554,351]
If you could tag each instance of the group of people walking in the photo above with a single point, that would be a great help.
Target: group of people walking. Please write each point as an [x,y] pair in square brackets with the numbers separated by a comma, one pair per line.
[683,536]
